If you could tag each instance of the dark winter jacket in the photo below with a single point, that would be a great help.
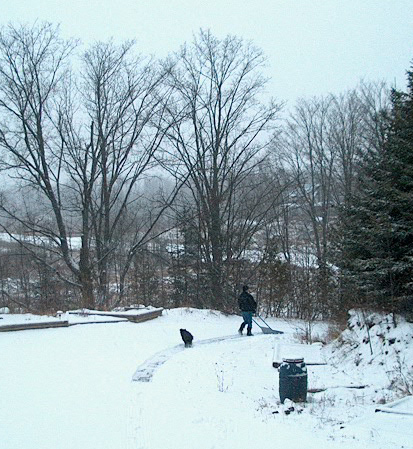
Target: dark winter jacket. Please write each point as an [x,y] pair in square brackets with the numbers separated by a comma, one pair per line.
[247,303]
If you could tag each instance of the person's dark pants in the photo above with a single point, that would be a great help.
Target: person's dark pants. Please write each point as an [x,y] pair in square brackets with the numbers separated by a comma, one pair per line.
[247,317]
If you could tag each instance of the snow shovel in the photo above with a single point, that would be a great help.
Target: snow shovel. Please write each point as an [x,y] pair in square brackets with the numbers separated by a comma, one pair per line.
[266,329]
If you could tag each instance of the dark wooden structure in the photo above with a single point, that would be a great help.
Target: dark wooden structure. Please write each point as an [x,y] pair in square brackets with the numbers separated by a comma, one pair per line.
[134,317]
[33,325]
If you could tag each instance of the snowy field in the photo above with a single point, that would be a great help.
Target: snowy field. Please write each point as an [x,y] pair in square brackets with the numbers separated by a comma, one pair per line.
[125,385]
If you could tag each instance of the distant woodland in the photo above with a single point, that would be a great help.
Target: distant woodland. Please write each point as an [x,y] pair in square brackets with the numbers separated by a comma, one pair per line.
[132,180]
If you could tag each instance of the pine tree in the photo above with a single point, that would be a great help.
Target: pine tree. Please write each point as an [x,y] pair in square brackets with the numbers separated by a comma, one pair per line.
[376,231]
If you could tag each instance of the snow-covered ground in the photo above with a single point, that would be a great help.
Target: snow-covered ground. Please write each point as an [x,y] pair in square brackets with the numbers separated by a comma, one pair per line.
[126,385]
[74,242]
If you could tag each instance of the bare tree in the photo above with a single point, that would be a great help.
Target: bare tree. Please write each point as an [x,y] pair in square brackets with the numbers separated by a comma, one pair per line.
[81,148]
[124,102]
[33,71]
[311,157]
[376,106]
[219,135]
[346,118]
[357,126]
[323,143]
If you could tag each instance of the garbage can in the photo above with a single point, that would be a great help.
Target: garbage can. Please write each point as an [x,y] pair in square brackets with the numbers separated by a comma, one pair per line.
[293,380]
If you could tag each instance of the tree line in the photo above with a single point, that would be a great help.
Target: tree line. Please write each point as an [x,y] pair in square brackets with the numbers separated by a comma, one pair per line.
[174,182]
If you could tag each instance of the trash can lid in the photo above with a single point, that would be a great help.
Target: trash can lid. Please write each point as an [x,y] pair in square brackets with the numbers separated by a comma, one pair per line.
[295,360]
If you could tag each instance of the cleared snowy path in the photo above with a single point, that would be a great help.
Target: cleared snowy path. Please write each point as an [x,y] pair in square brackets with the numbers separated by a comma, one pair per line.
[145,372]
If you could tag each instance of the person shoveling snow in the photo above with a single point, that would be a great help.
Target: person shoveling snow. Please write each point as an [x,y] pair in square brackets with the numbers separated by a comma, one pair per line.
[248,307]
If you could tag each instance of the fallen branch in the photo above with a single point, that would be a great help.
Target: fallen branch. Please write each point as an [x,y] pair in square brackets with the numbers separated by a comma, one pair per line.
[319,390]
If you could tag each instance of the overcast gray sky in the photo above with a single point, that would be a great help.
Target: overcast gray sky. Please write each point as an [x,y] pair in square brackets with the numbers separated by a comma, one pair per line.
[313,46]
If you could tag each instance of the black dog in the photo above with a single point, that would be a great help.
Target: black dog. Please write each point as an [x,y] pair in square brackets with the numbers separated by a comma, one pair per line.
[187,337]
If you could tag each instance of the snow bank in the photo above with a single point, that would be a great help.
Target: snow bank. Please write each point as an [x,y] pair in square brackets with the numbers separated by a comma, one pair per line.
[379,349]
